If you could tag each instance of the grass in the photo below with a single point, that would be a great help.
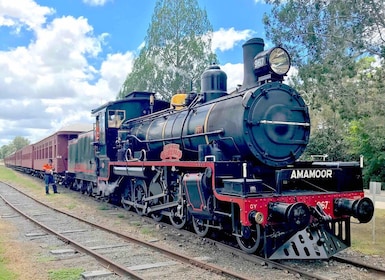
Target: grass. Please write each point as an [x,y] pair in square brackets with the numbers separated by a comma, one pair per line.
[104,206]
[362,235]
[71,206]
[136,223]
[66,274]
[146,231]
[5,273]
[45,259]
[7,175]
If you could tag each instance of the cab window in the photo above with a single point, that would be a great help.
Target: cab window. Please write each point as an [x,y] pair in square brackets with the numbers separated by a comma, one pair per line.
[115,118]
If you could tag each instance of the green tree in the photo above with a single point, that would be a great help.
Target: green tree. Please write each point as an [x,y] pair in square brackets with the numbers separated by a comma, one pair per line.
[366,134]
[176,52]
[315,28]
[6,150]
[328,135]
[17,143]
[334,44]
[326,39]
[366,137]
[20,142]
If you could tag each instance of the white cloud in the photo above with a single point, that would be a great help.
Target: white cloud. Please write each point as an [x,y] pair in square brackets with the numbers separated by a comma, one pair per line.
[20,13]
[224,40]
[234,75]
[51,81]
[142,45]
[95,2]
[115,69]
[293,72]
[63,72]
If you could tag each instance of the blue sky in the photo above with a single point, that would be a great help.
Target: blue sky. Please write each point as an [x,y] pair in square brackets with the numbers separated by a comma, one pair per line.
[60,59]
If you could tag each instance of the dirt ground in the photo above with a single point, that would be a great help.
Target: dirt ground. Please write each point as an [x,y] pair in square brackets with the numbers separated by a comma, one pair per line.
[21,258]
[25,257]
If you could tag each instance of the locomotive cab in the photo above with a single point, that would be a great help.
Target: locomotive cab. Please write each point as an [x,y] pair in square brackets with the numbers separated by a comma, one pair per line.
[109,119]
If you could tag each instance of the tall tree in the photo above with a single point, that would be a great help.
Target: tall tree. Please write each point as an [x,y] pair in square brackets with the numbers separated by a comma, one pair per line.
[6,150]
[315,28]
[334,44]
[326,38]
[176,52]
[366,130]
[20,142]
[17,143]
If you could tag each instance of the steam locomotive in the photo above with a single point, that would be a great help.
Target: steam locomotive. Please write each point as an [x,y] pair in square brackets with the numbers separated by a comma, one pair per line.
[224,162]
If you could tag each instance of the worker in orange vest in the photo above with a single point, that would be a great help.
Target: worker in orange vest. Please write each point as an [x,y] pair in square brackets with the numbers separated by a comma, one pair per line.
[48,176]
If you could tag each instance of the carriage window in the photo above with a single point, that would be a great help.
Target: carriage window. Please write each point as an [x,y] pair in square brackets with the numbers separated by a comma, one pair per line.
[115,118]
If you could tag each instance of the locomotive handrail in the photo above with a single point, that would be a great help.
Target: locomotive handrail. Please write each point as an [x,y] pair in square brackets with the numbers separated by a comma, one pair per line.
[282,122]
[195,101]
[156,114]
[218,131]
[149,116]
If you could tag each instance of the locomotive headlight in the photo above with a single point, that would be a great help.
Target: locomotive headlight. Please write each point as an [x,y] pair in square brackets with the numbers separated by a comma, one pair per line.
[275,60]
[279,61]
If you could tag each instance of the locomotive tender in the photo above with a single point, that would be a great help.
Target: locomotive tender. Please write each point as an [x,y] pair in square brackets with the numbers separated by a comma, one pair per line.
[224,161]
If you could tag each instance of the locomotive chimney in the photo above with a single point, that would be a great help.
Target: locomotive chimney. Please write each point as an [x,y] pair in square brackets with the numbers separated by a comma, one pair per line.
[250,49]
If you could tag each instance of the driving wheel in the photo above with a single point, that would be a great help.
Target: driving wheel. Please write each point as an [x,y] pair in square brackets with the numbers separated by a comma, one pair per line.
[250,238]
[140,193]
[201,226]
[156,216]
[126,196]
[178,217]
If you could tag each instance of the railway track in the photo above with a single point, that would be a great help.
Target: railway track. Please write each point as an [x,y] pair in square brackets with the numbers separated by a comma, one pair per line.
[123,255]
[378,271]
[292,270]
[317,272]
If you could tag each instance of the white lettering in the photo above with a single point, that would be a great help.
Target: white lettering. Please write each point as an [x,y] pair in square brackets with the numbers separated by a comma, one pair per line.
[324,204]
[253,206]
[311,174]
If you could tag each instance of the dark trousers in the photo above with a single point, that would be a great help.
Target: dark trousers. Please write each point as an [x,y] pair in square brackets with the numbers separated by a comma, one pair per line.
[48,179]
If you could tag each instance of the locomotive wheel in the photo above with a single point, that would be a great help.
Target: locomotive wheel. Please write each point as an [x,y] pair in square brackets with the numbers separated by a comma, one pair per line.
[140,193]
[156,216]
[87,188]
[77,185]
[250,241]
[176,221]
[90,188]
[126,195]
[201,226]
[83,188]
[155,189]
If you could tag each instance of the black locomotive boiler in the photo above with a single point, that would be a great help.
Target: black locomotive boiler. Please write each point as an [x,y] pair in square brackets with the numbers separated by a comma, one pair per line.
[266,122]
[225,162]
